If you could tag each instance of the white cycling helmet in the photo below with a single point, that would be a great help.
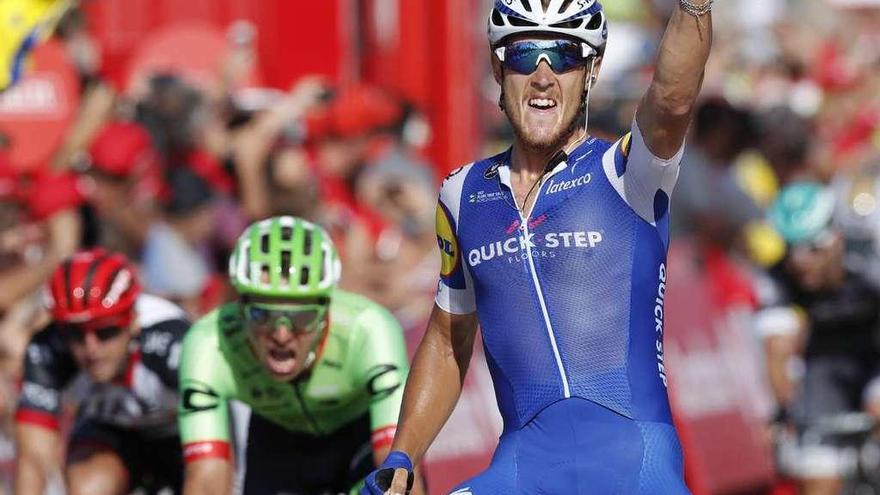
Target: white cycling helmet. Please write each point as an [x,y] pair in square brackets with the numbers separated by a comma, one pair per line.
[581,19]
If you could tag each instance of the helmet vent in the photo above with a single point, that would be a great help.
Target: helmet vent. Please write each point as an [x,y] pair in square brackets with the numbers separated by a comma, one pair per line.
[286,233]
[525,5]
[496,18]
[595,22]
[285,267]
[516,21]
[264,243]
[307,243]
[304,275]
[564,6]
[90,274]
[568,25]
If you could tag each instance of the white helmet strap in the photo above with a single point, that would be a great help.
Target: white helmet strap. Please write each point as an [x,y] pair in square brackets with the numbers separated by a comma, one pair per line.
[588,87]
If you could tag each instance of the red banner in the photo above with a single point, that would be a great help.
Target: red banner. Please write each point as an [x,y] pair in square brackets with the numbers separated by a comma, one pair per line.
[35,113]
[719,397]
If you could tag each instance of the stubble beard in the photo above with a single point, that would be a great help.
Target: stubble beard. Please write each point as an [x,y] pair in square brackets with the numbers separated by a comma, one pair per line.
[553,143]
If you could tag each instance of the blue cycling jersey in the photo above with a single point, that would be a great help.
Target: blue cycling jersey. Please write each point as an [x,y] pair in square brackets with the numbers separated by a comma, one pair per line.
[569,299]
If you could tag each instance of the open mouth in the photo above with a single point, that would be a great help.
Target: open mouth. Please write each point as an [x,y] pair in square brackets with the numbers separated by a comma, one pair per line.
[542,103]
[281,361]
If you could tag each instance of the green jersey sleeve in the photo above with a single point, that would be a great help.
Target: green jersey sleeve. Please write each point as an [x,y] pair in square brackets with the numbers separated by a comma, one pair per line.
[381,360]
[206,384]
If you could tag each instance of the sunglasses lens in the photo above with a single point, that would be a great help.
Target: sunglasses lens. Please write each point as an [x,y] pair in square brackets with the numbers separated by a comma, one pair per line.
[77,335]
[257,316]
[74,334]
[306,319]
[107,333]
[523,57]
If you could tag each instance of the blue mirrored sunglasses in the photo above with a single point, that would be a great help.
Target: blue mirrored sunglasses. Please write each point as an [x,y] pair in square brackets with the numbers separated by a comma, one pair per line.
[562,56]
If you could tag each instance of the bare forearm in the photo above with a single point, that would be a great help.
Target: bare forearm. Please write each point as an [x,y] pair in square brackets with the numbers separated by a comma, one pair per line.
[96,109]
[204,486]
[22,281]
[212,478]
[433,388]
[249,160]
[665,111]
[779,351]
[30,476]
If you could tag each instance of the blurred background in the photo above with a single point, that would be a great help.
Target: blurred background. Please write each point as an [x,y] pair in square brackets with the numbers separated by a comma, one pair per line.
[160,128]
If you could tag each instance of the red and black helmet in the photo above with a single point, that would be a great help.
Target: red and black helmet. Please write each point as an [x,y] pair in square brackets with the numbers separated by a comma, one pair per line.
[93,285]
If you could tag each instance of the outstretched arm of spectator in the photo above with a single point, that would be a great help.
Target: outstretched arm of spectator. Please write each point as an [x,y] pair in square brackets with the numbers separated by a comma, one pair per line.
[256,140]
[665,111]
[93,113]
[38,455]
[64,236]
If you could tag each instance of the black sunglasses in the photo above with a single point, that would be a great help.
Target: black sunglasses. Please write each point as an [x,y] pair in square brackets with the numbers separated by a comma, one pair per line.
[77,334]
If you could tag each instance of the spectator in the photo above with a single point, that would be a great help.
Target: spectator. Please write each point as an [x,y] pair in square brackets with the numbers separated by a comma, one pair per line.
[820,313]
[709,202]
[273,172]
[785,140]
[175,258]
[126,173]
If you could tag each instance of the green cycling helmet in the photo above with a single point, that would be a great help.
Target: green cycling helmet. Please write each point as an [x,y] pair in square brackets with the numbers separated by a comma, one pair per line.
[284,257]
[802,212]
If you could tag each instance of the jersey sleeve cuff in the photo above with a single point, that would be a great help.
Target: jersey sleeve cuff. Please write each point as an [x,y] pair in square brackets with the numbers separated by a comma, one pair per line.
[383,437]
[35,417]
[455,301]
[639,145]
[211,449]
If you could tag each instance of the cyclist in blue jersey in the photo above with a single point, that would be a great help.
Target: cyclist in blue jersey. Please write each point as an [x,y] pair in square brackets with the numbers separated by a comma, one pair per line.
[556,249]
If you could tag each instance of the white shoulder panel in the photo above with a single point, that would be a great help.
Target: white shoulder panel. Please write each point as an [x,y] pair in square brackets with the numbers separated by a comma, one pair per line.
[644,174]
[152,310]
[452,189]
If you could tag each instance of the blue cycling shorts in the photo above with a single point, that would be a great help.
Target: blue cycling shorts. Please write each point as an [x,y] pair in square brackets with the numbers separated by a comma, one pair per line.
[576,447]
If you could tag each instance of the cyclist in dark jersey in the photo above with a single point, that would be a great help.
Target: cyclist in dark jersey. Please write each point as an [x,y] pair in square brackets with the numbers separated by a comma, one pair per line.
[818,311]
[117,350]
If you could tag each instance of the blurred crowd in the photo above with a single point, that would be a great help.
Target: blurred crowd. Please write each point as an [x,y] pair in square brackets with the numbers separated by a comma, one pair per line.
[789,121]
[171,172]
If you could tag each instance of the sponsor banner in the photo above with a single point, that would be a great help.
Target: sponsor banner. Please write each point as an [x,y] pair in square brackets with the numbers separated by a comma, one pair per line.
[36,112]
[717,389]
[192,51]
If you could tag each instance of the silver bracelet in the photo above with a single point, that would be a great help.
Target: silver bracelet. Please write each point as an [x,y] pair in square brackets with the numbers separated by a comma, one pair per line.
[696,10]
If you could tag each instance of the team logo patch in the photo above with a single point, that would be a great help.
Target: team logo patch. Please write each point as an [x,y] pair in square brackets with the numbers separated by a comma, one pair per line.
[492,171]
[446,243]
[197,397]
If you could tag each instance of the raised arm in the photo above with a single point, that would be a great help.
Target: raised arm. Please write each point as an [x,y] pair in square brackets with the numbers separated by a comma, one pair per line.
[665,111]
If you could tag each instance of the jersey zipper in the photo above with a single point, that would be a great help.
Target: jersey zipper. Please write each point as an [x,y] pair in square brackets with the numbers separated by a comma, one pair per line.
[306,412]
[534,273]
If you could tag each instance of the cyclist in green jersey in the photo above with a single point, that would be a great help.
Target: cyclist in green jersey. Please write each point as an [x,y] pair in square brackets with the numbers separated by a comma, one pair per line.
[319,369]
